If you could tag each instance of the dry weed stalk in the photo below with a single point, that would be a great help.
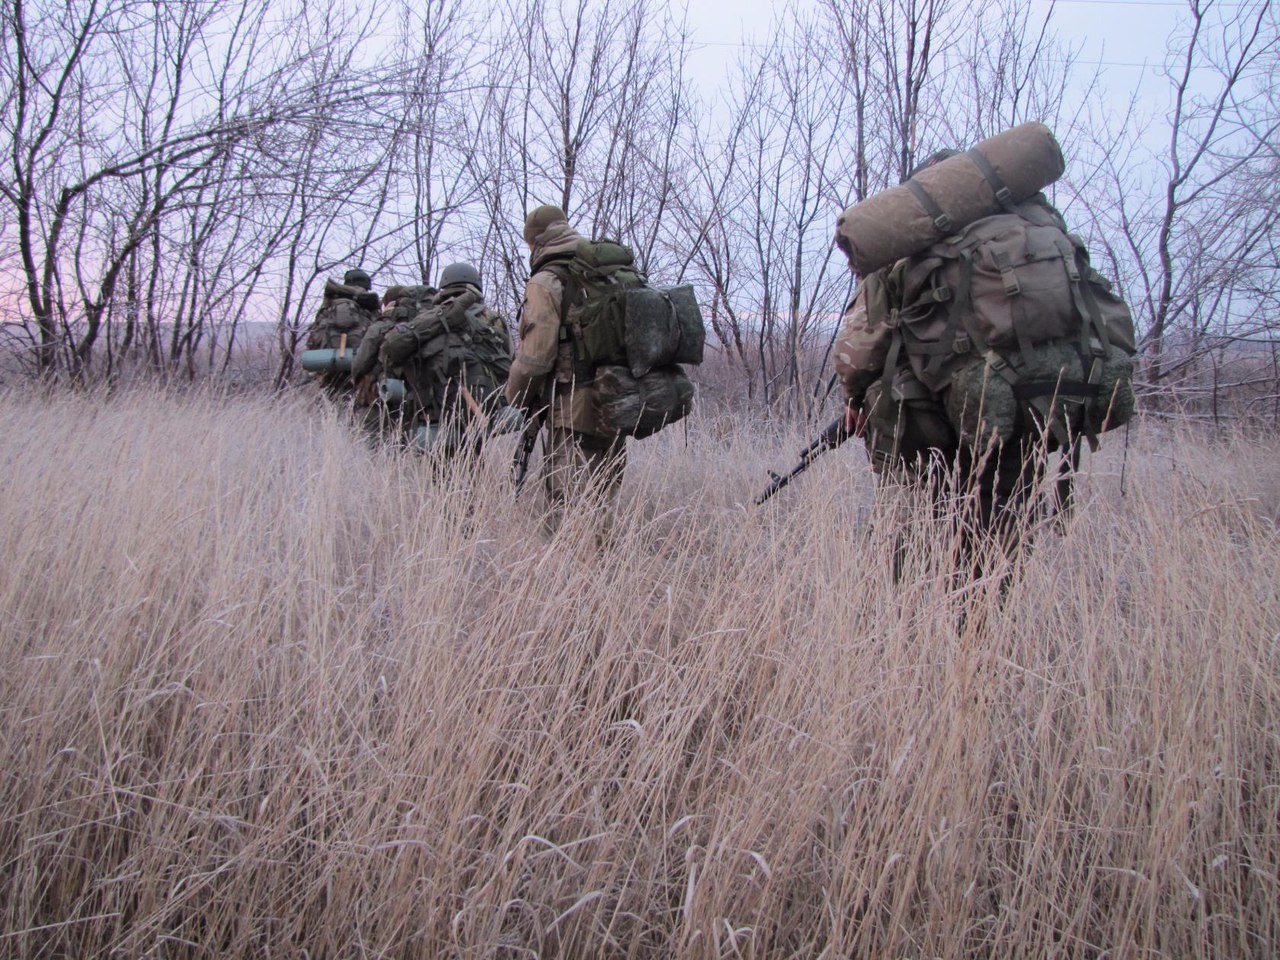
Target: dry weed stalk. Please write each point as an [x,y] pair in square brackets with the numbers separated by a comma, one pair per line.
[269,693]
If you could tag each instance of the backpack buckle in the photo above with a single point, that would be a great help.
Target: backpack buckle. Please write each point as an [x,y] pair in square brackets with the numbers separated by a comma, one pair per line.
[1007,276]
[961,343]
[940,294]
[894,318]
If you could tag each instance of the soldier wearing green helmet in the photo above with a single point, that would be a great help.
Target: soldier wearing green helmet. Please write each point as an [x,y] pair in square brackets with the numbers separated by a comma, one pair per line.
[347,309]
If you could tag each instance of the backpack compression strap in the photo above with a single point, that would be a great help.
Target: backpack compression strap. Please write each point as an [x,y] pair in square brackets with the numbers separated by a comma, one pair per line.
[571,295]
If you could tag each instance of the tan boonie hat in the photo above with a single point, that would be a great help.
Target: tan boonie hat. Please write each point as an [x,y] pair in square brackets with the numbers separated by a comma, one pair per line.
[540,219]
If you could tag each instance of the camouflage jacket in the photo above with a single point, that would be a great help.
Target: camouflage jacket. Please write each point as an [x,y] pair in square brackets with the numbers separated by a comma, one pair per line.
[862,346]
[545,355]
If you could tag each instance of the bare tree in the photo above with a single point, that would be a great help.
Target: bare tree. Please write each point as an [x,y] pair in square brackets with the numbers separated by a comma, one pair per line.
[590,116]
[1196,244]
[118,115]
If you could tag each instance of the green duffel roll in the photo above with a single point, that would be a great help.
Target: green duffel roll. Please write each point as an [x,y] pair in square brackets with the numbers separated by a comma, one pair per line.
[641,406]
[327,361]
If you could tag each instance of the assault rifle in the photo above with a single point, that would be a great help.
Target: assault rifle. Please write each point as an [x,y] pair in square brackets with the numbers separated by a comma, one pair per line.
[524,449]
[849,424]
[529,436]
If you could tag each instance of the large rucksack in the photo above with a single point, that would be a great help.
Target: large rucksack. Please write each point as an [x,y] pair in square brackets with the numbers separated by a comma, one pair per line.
[401,304]
[1000,331]
[345,313]
[448,345]
[630,338]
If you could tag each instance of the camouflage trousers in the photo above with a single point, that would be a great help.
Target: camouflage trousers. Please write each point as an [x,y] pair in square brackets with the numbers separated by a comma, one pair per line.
[582,471]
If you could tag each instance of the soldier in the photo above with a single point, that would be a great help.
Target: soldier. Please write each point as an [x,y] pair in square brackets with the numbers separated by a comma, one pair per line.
[346,312]
[968,363]
[445,363]
[921,447]
[399,304]
[544,380]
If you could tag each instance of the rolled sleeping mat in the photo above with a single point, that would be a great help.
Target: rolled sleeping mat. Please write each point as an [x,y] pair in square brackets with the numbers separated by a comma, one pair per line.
[391,391]
[943,199]
[327,361]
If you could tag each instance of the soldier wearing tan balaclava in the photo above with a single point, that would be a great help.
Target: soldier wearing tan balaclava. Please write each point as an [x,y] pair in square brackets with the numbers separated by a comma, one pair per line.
[581,458]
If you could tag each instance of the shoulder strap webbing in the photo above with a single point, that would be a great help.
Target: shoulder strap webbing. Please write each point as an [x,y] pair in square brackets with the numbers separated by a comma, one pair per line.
[572,294]
[941,222]
[1003,196]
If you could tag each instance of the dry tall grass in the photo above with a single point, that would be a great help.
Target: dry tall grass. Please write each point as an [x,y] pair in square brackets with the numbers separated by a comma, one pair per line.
[267,693]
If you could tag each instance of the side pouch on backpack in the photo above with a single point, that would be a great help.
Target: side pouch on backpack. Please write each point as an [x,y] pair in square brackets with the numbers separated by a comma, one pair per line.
[907,423]
[693,331]
[650,329]
[601,322]
[644,327]
[641,406]
[1116,317]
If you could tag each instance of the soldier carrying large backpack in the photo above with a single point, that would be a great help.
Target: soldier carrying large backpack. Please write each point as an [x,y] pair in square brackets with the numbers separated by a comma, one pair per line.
[346,312]
[400,304]
[599,359]
[443,360]
[980,337]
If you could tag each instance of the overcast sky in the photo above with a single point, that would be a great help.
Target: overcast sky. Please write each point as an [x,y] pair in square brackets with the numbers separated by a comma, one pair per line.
[1128,38]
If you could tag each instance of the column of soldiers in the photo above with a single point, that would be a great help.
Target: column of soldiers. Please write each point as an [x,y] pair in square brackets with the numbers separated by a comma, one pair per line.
[444,397]
[963,363]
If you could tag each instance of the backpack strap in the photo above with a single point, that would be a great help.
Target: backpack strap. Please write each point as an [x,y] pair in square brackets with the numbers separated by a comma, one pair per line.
[1013,290]
[941,222]
[572,295]
[1003,196]
[959,336]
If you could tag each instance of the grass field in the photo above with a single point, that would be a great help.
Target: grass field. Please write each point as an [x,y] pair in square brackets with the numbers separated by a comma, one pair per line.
[265,692]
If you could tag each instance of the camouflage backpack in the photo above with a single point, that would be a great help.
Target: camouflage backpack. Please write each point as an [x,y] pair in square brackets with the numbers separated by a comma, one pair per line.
[449,344]
[402,304]
[629,337]
[1000,331]
[345,312]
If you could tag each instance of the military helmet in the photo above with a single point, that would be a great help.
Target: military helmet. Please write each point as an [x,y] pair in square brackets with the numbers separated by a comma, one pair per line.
[358,278]
[458,273]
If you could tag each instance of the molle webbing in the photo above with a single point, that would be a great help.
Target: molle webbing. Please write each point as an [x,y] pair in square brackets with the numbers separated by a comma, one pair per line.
[571,295]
